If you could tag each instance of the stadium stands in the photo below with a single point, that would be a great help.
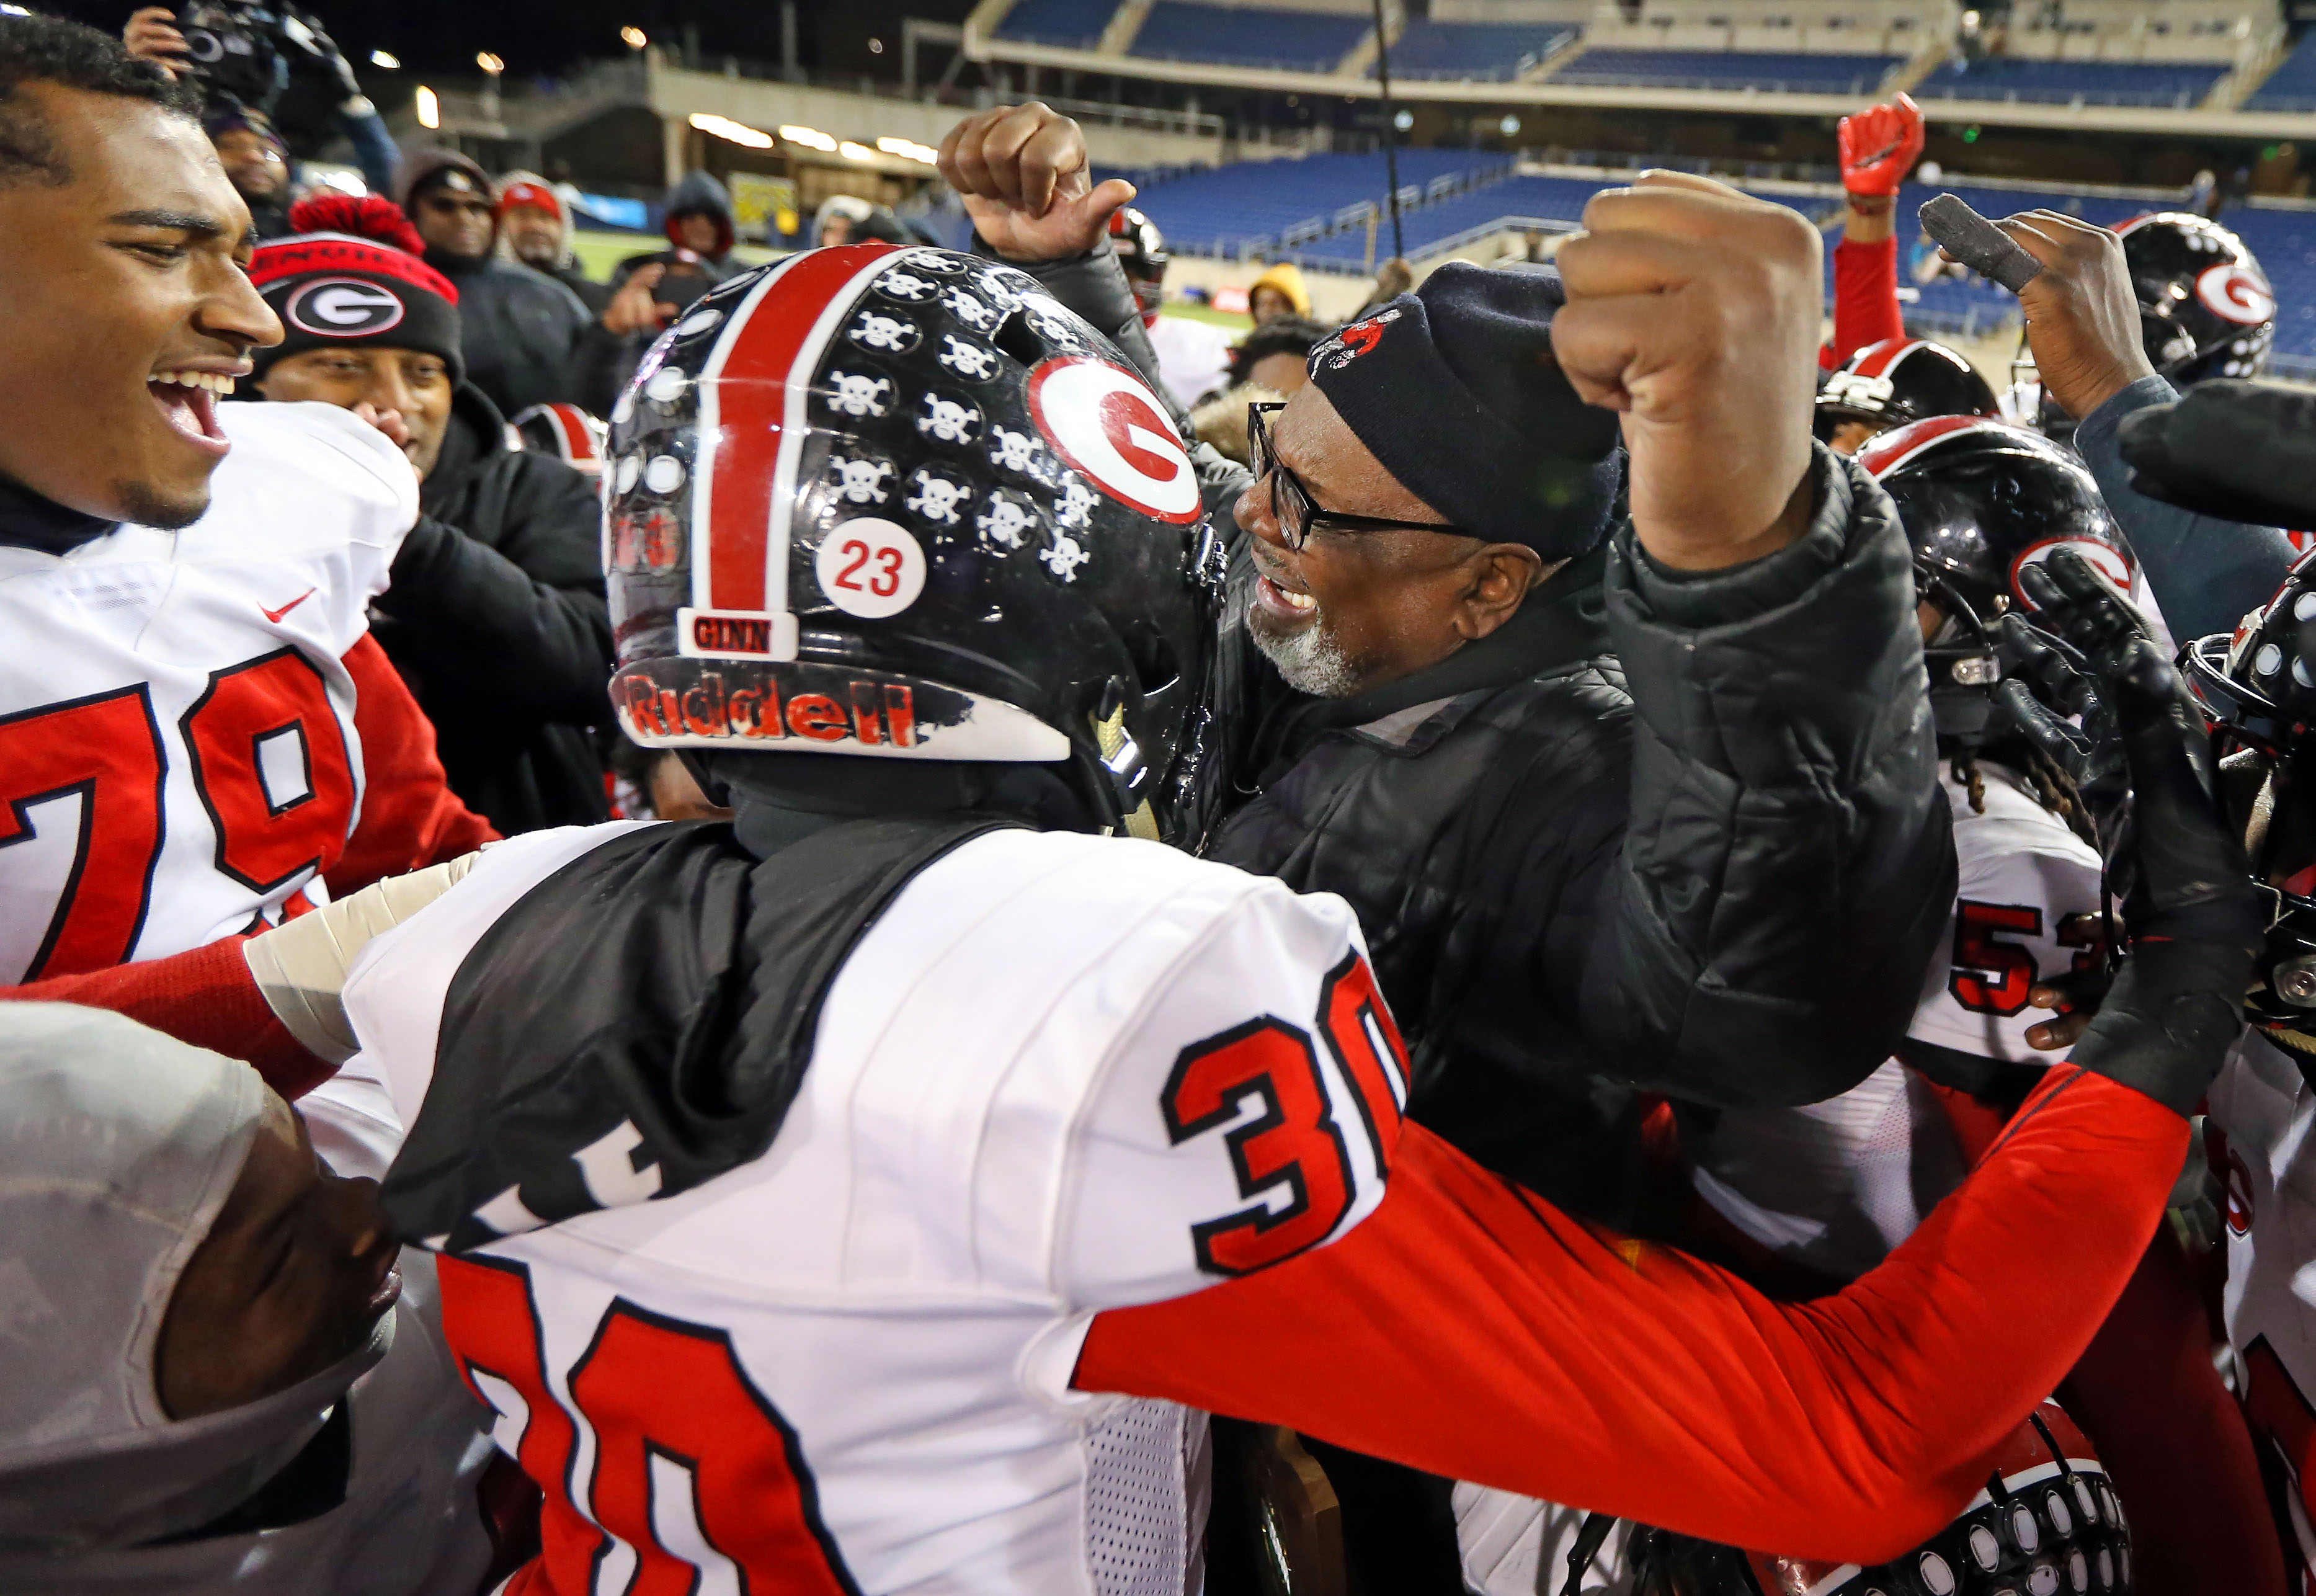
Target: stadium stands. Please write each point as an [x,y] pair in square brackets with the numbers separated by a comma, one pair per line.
[1070,24]
[1228,210]
[2285,243]
[1235,36]
[1778,72]
[1485,51]
[2066,83]
[2292,86]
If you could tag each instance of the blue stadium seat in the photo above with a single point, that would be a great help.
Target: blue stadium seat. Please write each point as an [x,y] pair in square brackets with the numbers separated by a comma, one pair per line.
[1776,71]
[1489,51]
[1069,24]
[2292,86]
[1219,210]
[1295,40]
[2062,82]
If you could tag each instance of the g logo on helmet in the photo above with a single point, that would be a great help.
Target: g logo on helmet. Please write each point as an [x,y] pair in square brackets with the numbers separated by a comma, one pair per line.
[2237,293]
[343,308]
[1103,421]
[2109,561]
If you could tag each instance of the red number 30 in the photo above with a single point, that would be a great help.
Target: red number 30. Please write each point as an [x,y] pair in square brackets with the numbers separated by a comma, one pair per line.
[1295,1146]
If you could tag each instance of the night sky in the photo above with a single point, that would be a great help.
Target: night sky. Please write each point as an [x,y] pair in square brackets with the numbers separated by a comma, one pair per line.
[438,38]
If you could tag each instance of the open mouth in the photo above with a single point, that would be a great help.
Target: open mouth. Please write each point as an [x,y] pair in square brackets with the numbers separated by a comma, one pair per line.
[188,399]
[1284,599]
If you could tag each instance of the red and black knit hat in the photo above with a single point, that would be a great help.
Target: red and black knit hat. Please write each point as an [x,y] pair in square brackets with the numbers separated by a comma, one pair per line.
[351,275]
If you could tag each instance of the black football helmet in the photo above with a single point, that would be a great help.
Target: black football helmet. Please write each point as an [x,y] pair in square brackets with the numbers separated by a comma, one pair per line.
[2206,309]
[2258,688]
[1981,500]
[2047,1523]
[1141,251]
[566,432]
[1900,381]
[902,504]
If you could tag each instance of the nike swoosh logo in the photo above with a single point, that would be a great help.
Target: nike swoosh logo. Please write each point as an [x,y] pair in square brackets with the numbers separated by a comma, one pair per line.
[275,615]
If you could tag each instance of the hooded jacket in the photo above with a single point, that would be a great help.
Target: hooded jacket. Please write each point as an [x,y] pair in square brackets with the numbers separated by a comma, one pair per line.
[496,618]
[567,270]
[698,193]
[524,332]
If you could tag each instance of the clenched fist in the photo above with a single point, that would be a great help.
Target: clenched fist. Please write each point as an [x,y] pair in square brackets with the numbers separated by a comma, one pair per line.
[1879,146]
[1695,310]
[1023,175]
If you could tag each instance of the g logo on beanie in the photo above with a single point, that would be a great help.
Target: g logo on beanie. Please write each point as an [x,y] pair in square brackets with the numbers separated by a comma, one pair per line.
[343,308]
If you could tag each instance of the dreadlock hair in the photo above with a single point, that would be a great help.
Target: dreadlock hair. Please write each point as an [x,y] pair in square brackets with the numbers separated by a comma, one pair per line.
[51,49]
[2054,790]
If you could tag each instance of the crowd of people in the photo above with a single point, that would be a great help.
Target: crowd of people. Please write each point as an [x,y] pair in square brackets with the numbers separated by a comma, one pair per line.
[875,924]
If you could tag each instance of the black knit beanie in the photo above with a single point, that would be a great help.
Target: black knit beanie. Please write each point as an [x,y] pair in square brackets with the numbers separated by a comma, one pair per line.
[1453,390]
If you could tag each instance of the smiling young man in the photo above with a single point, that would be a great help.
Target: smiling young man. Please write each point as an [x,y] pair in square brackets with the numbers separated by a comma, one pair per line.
[194,725]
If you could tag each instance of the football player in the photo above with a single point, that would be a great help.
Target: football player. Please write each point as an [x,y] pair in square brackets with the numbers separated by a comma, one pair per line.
[2264,1102]
[846,1198]
[1194,357]
[196,733]
[1895,381]
[1879,146]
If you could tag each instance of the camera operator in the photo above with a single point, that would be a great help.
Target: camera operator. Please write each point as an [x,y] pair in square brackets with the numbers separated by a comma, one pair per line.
[244,56]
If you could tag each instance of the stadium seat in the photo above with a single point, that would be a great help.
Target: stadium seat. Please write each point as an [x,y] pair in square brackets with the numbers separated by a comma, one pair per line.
[2062,82]
[1233,36]
[1224,209]
[1774,71]
[1484,52]
[2285,243]
[2292,86]
[1069,24]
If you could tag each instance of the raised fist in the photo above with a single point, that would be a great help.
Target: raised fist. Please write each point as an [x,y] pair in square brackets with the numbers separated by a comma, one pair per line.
[1879,146]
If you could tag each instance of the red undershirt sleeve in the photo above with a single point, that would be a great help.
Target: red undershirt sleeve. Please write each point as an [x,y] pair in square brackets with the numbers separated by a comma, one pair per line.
[1469,1329]
[410,817]
[206,996]
[1865,297]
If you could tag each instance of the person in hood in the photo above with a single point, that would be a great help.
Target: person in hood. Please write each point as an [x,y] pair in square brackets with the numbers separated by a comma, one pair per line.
[838,219]
[701,233]
[526,337]
[256,162]
[496,614]
[216,1382]
[1279,291]
[535,229]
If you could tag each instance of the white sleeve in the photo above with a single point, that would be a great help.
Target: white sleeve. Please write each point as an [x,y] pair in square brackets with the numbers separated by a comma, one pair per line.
[2002,936]
[1246,1113]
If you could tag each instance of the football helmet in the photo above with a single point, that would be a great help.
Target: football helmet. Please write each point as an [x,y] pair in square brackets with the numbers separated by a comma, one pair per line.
[2258,688]
[1981,499]
[2047,1521]
[1902,380]
[2206,309]
[1141,251]
[566,432]
[900,503]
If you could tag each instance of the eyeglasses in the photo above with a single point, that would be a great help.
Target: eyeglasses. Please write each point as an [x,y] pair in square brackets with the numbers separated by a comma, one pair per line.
[1297,513]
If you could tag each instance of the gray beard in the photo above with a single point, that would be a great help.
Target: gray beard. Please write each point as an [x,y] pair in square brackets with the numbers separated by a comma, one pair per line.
[1310,661]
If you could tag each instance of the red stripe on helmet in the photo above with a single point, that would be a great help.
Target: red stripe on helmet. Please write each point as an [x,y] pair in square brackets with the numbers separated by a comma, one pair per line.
[1893,450]
[751,393]
[1876,359]
[578,441]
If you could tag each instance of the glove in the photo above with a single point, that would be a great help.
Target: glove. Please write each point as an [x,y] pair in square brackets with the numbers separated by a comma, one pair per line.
[2054,684]
[2192,912]
[307,33]
[1879,146]
[300,964]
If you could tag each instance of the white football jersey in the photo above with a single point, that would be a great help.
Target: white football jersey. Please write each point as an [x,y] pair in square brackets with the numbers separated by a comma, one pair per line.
[1058,1075]
[1838,1184]
[177,744]
[2265,1114]
[1193,356]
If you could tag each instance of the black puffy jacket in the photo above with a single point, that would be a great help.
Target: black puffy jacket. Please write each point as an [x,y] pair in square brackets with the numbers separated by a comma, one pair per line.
[496,618]
[1716,869]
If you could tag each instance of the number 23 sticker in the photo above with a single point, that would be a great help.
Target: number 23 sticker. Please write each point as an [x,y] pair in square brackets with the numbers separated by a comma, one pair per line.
[870,567]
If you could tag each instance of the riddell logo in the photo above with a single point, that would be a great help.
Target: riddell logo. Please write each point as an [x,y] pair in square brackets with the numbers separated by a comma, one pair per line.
[871,714]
